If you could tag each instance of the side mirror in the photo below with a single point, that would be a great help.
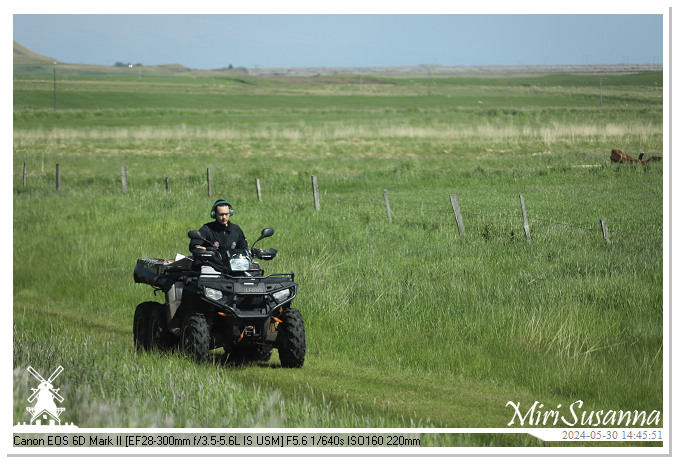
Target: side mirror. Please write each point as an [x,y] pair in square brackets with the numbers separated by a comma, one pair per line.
[195,235]
[267,232]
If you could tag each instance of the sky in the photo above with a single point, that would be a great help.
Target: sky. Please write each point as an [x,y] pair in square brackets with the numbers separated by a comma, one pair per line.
[212,41]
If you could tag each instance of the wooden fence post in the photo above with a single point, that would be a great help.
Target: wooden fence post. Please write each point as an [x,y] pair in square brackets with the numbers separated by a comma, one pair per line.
[458,216]
[209,184]
[259,191]
[604,230]
[314,185]
[58,176]
[386,203]
[123,172]
[24,173]
[167,184]
[525,218]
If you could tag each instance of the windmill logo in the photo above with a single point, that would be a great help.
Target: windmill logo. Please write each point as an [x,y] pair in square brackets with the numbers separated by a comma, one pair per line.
[45,410]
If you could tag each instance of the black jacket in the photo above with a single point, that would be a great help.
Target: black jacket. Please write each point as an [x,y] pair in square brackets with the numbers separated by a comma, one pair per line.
[229,237]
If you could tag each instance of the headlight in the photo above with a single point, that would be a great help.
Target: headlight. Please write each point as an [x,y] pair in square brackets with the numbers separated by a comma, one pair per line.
[213,293]
[239,264]
[282,295]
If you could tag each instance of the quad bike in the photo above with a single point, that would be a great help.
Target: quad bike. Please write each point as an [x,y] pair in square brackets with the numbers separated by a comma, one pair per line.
[212,302]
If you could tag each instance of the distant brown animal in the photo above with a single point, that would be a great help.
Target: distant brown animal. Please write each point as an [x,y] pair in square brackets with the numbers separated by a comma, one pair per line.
[619,157]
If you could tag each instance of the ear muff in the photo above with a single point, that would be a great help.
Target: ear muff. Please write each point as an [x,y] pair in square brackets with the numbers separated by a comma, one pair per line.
[213,212]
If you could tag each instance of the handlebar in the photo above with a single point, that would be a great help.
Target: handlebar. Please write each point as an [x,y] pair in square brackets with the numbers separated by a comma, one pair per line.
[264,254]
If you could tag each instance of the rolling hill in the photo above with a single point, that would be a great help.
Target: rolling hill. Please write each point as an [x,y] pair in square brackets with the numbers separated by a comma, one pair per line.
[28,63]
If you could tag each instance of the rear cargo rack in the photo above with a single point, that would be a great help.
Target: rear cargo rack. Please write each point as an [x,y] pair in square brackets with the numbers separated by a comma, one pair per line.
[159,272]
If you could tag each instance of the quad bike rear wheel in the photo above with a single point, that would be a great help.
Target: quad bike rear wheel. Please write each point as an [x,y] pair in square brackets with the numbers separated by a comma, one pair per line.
[140,325]
[160,337]
[292,339]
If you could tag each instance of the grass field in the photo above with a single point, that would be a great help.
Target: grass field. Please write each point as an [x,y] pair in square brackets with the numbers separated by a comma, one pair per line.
[408,323]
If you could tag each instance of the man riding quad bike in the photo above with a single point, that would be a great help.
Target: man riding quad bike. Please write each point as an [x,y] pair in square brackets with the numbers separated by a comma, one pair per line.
[220,299]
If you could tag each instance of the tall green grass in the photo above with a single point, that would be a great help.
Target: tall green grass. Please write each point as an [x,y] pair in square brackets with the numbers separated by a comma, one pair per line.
[407,322]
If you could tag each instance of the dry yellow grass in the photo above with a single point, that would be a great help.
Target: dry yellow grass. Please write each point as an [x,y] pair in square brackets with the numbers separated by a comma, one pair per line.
[339,131]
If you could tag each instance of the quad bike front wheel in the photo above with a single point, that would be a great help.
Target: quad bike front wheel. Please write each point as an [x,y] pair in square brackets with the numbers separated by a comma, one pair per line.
[291,339]
[194,338]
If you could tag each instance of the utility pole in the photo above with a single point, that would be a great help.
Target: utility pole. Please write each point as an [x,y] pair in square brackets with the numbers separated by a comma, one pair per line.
[55,86]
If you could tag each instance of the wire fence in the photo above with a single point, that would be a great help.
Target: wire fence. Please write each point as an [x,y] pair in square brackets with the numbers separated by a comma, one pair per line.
[476,216]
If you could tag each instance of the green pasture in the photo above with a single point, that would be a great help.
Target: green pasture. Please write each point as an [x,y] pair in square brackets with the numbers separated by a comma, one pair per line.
[408,323]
